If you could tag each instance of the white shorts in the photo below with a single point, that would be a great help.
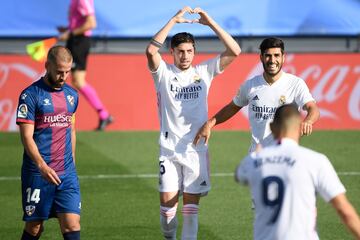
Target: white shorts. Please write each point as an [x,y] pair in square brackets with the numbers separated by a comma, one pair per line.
[187,172]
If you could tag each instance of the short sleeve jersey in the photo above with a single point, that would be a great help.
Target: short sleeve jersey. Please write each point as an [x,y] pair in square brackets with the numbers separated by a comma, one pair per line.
[182,102]
[284,180]
[79,10]
[263,100]
[52,113]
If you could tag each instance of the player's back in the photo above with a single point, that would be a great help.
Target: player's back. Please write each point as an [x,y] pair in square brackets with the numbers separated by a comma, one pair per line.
[284,180]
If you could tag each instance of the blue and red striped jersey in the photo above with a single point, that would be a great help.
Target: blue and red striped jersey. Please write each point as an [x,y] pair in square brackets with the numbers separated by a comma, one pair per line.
[51,111]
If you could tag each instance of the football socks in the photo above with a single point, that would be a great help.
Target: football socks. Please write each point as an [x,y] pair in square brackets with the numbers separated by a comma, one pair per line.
[75,235]
[190,222]
[168,222]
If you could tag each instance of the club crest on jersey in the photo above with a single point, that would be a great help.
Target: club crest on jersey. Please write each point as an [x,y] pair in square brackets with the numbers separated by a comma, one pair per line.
[30,209]
[22,111]
[47,102]
[23,96]
[70,99]
[282,100]
[197,79]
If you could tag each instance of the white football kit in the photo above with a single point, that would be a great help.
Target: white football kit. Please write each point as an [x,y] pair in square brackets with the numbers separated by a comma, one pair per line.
[183,109]
[284,180]
[263,100]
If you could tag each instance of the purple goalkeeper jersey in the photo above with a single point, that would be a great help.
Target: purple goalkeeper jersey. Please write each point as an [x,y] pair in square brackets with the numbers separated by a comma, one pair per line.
[51,111]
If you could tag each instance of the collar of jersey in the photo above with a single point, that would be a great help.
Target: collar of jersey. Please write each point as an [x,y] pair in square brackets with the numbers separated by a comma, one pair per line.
[178,70]
[288,141]
[282,76]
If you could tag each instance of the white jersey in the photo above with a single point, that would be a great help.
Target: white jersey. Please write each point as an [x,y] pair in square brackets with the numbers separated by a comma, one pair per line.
[284,180]
[263,100]
[182,102]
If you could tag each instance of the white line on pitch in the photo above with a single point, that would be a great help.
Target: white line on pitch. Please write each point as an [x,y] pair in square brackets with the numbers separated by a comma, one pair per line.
[126,176]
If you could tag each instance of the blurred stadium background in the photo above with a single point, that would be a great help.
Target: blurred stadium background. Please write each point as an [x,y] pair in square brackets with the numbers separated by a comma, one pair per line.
[322,40]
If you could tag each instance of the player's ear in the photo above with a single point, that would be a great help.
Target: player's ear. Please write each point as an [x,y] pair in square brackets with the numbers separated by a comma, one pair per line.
[274,130]
[261,57]
[171,51]
[283,60]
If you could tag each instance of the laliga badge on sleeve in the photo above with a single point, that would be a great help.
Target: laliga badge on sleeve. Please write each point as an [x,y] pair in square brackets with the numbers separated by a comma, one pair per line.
[22,111]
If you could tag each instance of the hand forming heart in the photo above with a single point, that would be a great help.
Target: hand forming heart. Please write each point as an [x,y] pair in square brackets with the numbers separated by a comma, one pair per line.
[204,18]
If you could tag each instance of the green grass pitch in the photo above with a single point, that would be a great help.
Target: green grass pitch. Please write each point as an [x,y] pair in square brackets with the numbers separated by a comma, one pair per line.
[128,208]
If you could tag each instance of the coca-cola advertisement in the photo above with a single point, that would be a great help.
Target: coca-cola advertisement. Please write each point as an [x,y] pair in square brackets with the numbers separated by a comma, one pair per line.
[124,84]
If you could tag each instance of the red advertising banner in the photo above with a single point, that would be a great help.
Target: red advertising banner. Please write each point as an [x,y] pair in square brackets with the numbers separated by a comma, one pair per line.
[126,88]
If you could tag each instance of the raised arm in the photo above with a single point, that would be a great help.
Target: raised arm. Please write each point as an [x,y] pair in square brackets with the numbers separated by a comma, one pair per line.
[152,50]
[232,48]
[347,214]
[223,115]
[312,116]
[26,133]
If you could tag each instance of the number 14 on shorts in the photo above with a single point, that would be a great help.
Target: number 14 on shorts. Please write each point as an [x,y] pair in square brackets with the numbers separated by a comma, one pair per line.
[33,196]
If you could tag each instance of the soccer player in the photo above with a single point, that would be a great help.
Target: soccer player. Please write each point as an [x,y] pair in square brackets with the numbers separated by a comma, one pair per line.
[264,94]
[182,91]
[77,36]
[284,179]
[45,116]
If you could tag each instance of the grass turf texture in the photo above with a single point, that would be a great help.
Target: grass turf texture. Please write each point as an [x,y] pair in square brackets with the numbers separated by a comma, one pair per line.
[128,208]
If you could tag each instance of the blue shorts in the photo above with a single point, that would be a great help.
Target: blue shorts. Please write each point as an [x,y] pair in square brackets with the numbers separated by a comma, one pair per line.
[42,200]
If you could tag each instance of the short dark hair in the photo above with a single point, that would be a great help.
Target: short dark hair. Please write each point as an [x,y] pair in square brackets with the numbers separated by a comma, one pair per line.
[272,42]
[285,118]
[284,113]
[182,37]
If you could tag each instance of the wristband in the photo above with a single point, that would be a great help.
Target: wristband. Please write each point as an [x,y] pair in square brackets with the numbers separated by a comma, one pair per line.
[156,43]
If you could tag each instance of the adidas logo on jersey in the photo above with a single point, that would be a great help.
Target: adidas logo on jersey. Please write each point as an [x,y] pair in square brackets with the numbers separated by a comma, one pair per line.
[203,183]
[255,98]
